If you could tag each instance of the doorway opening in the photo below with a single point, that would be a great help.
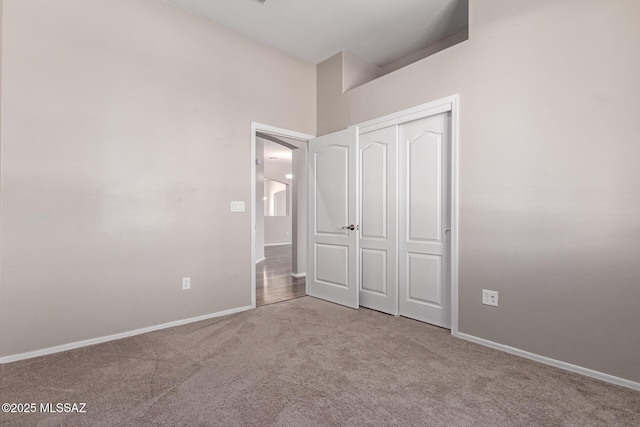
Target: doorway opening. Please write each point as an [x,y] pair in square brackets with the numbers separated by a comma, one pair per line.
[279,168]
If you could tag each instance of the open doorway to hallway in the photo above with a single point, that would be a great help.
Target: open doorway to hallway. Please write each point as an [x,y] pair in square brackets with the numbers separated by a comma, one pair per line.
[278,214]
[274,282]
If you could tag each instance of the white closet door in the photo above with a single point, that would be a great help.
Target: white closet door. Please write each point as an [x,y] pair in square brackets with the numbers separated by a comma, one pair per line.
[425,292]
[378,220]
[333,274]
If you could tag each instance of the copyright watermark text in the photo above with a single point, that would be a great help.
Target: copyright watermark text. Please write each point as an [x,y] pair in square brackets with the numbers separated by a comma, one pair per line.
[33,408]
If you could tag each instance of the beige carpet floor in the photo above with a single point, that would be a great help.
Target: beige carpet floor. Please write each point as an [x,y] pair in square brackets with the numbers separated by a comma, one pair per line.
[307,362]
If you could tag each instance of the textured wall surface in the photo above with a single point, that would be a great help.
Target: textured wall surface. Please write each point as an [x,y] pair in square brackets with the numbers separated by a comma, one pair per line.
[126,133]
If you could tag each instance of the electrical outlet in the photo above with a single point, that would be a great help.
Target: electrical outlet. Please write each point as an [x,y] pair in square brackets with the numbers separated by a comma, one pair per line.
[490,297]
[186,283]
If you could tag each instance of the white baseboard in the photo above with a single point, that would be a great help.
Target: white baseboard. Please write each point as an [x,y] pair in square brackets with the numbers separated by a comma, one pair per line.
[260,260]
[552,362]
[299,274]
[93,341]
[278,244]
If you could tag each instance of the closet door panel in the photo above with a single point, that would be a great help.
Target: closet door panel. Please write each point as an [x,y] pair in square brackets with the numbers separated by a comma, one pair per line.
[332,273]
[378,220]
[424,289]
[374,271]
[424,159]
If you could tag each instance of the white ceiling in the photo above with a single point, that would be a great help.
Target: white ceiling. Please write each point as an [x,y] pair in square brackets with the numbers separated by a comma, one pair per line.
[314,30]
[279,167]
[281,153]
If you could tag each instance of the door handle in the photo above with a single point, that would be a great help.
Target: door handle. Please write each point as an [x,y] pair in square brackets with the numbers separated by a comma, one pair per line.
[447,232]
[349,227]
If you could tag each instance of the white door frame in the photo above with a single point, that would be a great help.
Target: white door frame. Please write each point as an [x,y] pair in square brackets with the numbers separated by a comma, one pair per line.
[448,104]
[258,127]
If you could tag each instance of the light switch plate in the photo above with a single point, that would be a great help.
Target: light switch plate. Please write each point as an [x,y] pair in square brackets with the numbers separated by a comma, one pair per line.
[237,206]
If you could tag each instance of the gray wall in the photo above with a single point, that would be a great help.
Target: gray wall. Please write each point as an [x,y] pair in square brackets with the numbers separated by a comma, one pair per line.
[126,133]
[1,32]
[259,199]
[277,230]
[549,176]
[427,51]
[299,209]
[356,71]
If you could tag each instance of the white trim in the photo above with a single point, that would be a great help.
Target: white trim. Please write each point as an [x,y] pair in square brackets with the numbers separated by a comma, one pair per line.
[276,131]
[278,244]
[452,104]
[258,127]
[100,340]
[552,362]
[260,260]
[299,274]
[418,112]
[252,203]
[454,201]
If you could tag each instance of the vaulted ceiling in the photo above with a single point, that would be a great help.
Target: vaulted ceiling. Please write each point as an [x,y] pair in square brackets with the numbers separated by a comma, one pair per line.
[313,30]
